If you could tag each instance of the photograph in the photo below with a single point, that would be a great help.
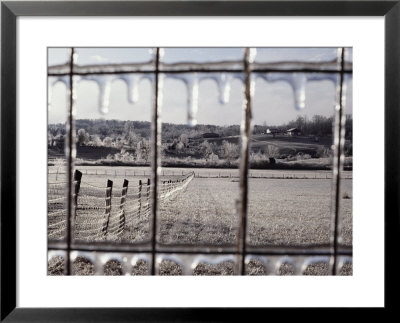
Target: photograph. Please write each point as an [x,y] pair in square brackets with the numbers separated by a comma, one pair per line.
[201,161]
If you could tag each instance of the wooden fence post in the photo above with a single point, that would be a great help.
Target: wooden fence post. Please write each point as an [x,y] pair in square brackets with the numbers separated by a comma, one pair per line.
[140,198]
[122,205]
[148,194]
[108,206]
[77,183]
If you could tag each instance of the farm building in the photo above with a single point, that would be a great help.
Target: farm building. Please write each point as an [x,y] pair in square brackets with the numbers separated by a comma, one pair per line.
[273,131]
[293,132]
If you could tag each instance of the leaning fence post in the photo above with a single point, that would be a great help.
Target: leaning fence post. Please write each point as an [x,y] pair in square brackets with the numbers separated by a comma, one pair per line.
[140,198]
[122,205]
[108,205]
[77,182]
[148,194]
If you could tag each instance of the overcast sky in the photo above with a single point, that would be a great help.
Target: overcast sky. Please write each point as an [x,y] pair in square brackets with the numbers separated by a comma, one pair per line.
[273,103]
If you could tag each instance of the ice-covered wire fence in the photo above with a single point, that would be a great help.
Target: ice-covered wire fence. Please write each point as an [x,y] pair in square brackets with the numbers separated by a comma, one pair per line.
[104,213]
[271,72]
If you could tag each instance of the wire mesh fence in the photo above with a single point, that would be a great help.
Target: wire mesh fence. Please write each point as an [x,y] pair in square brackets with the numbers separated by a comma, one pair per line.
[92,230]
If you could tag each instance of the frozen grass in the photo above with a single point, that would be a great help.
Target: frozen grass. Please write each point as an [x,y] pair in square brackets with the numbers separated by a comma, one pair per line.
[55,266]
[112,268]
[83,267]
[141,268]
[204,214]
[294,212]
[223,269]
[282,213]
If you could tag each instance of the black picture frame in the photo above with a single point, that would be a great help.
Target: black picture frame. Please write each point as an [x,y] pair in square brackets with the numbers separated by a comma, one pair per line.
[10,10]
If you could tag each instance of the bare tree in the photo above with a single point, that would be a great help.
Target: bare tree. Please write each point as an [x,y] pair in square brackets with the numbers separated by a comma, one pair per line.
[143,149]
[180,146]
[107,142]
[96,141]
[83,137]
[184,139]
[271,151]
[206,149]
[230,151]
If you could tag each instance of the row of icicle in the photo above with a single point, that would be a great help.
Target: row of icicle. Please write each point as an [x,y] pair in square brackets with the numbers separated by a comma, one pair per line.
[297,82]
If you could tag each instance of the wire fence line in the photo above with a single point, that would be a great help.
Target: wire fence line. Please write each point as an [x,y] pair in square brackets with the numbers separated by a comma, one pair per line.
[105,172]
[214,174]
[106,213]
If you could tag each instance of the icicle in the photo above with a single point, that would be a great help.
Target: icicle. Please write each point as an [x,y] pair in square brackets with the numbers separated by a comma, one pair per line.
[192,84]
[132,83]
[161,53]
[49,95]
[224,87]
[52,81]
[298,82]
[252,56]
[104,83]
[105,91]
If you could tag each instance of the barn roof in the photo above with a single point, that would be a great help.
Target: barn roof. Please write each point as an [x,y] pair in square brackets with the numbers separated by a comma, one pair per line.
[292,129]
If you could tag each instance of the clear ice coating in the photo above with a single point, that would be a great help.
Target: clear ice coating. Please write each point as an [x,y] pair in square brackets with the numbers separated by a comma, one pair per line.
[52,81]
[297,54]
[252,55]
[104,83]
[223,81]
[347,78]
[297,82]
[192,82]
[99,261]
[188,264]
[186,59]
[132,83]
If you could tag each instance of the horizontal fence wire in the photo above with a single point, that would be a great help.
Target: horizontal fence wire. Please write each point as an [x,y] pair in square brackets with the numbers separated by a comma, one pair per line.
[107,214]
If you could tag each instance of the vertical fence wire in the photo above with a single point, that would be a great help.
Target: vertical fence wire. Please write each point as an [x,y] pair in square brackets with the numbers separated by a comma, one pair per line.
[70,154]
[339,128]
[244,162]
[156,124]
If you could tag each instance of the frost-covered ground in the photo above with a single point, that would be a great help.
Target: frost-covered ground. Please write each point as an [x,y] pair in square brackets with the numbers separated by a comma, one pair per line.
[286,213]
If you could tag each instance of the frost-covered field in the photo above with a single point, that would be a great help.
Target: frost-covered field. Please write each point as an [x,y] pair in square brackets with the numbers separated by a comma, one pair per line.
[285,213]
[282,212]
